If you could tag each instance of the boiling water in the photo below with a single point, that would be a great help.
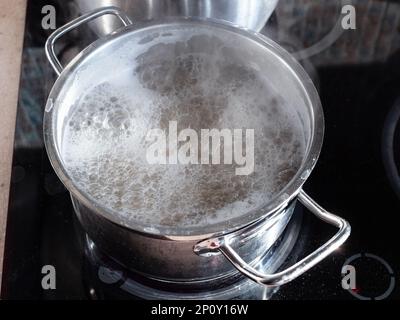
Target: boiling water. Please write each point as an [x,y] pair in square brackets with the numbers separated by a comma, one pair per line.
[104,145]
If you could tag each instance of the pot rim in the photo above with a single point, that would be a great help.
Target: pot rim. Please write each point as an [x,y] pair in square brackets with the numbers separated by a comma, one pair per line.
[282,198]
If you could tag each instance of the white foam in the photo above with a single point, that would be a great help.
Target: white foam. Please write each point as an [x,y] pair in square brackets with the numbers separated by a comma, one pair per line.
[104,141]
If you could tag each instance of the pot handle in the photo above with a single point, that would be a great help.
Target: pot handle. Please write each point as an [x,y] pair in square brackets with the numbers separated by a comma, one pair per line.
[222,245]
[50,43]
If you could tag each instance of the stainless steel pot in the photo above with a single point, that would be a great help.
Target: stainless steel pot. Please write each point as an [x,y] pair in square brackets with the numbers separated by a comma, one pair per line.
[251,14]
[199,253]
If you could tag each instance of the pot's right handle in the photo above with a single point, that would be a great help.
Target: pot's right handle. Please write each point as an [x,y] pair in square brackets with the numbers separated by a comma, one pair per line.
[49,47]
[287,275]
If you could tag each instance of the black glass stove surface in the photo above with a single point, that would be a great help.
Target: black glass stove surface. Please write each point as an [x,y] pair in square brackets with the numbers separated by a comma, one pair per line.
[359,84]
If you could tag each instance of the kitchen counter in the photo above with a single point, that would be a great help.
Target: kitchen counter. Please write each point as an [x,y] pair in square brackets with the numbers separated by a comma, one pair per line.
[12,22]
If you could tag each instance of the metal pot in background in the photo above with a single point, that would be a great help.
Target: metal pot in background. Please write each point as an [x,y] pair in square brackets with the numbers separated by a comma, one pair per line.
[250,14]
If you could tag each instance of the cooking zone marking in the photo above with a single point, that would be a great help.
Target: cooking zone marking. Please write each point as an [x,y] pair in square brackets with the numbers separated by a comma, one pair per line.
[164,147]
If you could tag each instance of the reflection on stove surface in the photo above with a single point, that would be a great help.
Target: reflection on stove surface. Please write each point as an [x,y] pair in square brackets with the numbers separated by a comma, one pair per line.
[106,279]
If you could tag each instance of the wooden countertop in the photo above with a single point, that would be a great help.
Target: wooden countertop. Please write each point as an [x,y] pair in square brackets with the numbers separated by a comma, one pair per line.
[12,24]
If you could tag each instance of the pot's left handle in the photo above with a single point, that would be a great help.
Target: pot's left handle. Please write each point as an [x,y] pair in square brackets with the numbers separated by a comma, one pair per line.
[50,51]
[223,246]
